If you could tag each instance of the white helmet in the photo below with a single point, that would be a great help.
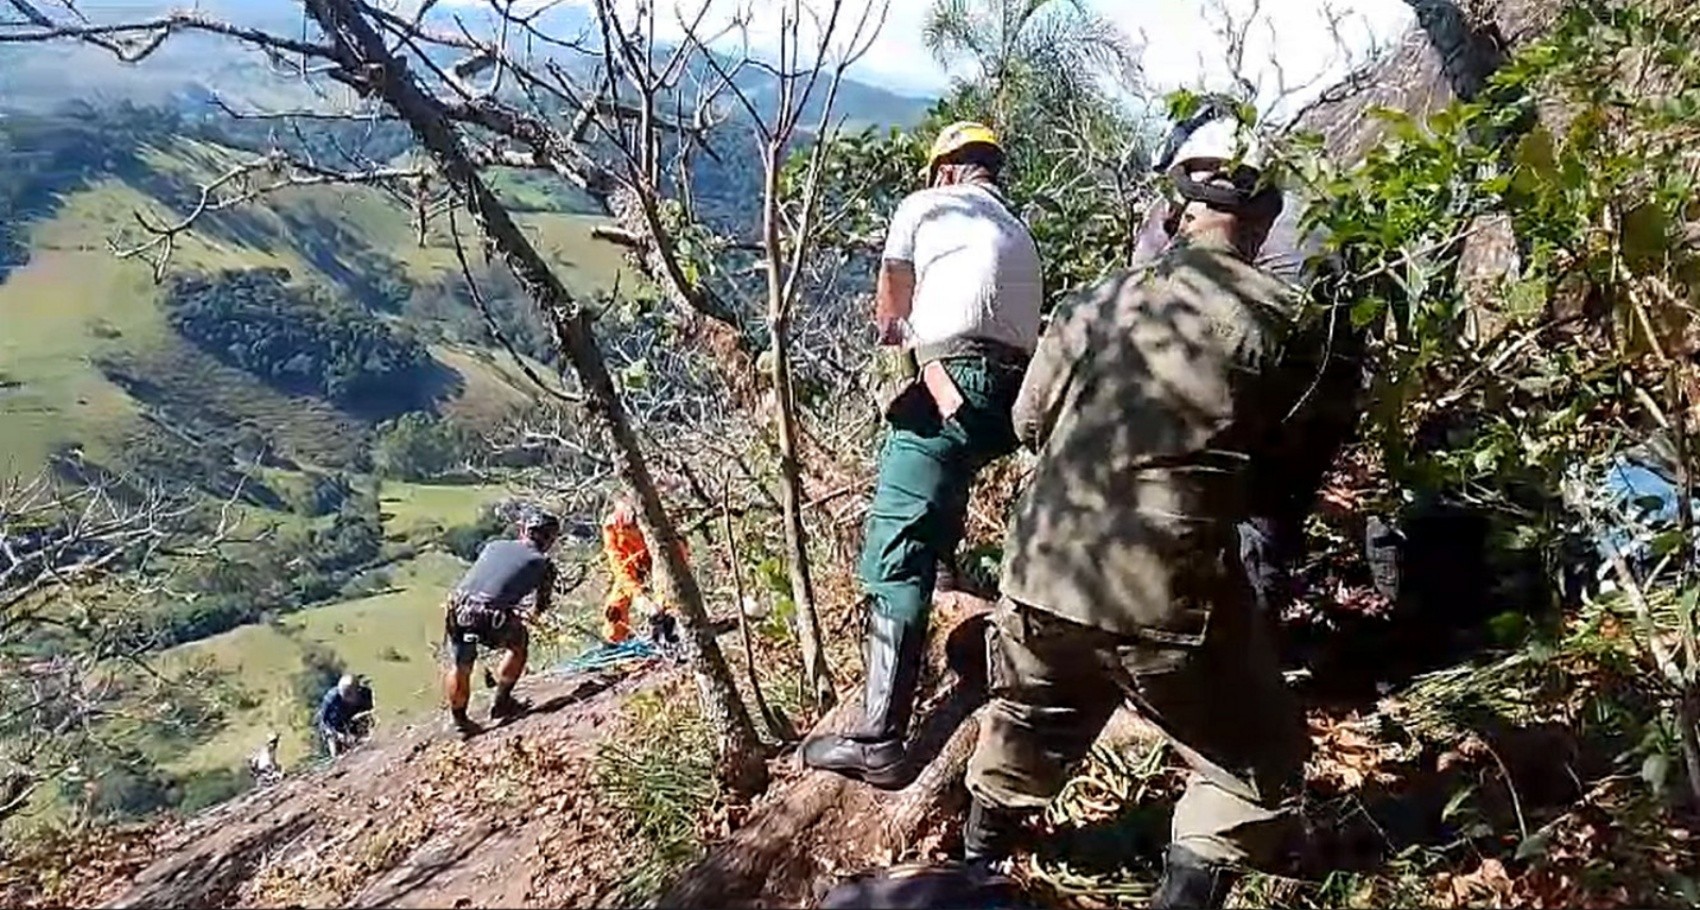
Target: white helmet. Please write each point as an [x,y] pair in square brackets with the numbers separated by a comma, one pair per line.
[345,685]
[1215,132]
[1215,158]
[1222,139]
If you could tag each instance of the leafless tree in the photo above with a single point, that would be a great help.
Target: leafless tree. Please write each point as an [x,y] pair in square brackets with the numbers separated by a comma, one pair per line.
[817,44]
[76,559]
[1274,86]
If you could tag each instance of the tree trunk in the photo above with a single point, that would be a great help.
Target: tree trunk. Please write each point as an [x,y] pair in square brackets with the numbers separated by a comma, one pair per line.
[816,672]
[1469,51]
[819,825]
[373,70]
[776,726]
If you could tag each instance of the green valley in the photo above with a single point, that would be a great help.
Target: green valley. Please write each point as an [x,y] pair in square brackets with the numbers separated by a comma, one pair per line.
[271,363]
[76,315]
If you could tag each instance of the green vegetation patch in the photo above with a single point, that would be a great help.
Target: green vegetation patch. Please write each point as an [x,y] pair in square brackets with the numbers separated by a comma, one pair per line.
[414,509]
[256,321]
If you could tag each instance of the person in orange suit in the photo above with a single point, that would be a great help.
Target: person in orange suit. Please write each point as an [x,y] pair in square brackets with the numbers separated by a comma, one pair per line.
[629,565]
[628,568]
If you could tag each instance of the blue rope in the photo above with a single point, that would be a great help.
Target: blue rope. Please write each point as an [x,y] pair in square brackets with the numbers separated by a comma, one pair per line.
[608,655]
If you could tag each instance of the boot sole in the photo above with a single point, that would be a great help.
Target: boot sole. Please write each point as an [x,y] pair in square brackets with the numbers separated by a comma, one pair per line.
[894,777]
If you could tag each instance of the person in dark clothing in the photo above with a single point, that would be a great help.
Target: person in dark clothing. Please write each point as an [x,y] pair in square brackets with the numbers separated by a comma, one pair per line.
[345,715]
[485,609]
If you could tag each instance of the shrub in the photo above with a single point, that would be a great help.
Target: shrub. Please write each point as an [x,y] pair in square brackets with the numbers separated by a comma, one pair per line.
[320,670]
[418,446]
[466,540]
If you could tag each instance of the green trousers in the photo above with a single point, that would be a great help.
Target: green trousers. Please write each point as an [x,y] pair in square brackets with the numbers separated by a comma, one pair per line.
[926,472]
[1221,704]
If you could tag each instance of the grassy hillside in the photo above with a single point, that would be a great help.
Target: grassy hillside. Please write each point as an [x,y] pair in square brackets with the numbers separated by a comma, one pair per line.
[95,364]
[389,637]
[88,361]
[392,638]
[413,510]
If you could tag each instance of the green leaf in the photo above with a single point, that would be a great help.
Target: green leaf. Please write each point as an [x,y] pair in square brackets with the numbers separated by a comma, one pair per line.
[1456,803]
[636,375]
[1247,113]
[1183,103]
[1367,311]
[1508,628]
[1526,299]
[1668,542]
[1645,231]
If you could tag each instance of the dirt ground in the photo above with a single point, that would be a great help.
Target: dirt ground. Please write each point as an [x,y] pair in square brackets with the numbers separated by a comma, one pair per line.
[413,819]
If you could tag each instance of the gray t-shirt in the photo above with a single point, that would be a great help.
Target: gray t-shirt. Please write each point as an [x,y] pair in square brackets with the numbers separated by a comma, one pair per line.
[507,571]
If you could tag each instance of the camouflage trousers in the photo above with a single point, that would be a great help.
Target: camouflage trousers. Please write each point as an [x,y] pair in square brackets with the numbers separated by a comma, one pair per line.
[1222,704]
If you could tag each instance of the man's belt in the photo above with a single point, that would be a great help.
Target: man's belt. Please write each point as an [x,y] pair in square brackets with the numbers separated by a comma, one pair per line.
[481,605]
[898,371]
[995,351]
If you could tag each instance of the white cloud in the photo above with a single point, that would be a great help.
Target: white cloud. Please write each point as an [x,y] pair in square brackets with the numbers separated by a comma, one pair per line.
[1182,47]
[1289,41]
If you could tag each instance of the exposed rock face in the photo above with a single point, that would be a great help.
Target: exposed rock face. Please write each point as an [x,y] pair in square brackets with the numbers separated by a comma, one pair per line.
[1450,54]
[1455,47]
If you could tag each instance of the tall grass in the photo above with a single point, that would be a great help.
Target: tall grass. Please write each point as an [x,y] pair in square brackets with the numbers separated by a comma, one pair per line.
[661,777]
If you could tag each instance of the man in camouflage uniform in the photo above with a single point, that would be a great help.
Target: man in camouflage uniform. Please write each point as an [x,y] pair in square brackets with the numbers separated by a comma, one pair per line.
[1148,401]
[1293,463]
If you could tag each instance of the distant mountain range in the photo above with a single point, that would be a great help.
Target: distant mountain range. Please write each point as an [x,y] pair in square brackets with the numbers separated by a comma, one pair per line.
[191,67]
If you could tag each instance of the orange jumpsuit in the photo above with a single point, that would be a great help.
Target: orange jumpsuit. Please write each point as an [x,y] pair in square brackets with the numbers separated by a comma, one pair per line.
[628,569]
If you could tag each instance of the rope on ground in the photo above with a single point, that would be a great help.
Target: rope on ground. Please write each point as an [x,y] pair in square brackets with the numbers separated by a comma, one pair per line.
[608,655]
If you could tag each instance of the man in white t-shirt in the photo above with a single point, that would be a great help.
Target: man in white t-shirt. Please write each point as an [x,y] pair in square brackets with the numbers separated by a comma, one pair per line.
[960,289]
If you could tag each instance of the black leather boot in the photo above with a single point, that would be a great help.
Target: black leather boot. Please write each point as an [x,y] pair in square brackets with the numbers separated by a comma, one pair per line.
[505,706]
[873,752]
[989,838]
[1191,883]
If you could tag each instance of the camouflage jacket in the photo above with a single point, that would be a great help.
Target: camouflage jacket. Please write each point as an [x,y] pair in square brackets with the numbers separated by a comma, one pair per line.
[1147,400]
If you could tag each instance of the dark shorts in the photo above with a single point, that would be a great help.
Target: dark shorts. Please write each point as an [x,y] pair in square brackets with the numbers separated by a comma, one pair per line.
[468,624]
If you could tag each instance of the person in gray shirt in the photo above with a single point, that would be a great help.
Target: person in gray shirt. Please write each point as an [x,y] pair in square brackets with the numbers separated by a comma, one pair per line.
[485,609]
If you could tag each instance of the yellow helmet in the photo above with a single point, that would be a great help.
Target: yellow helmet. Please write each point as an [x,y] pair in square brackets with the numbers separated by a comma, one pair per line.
[958,136]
